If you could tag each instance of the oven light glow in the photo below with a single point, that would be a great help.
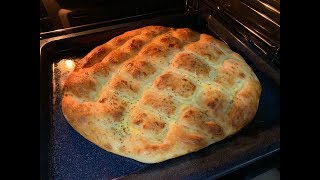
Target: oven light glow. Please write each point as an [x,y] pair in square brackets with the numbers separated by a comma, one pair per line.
[69,64]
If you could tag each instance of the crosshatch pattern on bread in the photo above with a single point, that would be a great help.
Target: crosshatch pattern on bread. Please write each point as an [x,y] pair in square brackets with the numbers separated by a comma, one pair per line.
[156,93]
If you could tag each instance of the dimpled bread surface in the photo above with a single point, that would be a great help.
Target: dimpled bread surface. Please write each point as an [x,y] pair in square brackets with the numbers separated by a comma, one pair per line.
[156,93]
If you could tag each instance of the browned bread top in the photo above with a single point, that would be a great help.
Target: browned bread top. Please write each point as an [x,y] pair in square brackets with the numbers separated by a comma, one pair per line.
[155,93]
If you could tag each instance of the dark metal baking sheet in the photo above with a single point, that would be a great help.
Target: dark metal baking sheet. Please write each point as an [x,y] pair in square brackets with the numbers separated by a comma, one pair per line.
[70,156]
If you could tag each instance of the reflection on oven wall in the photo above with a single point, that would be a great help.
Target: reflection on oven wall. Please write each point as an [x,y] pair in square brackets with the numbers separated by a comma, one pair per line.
[59,14]
[258,22]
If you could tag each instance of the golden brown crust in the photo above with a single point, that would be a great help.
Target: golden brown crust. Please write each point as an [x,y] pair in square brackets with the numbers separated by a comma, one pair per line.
[205,50]
[146,122]
[139,69]
[191,63]
[245,104]
[162,103]
[121,84]
[196,119]
[80,84]
[177,83]
[156,93]
[94,57]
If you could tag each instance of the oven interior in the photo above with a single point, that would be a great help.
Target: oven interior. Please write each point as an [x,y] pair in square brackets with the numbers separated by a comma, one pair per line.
[253,34]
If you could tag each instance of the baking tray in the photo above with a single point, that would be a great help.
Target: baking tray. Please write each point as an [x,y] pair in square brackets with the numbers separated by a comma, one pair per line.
[65,154]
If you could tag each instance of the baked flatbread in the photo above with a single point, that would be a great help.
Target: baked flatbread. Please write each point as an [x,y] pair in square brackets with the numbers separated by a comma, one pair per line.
[156,93]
